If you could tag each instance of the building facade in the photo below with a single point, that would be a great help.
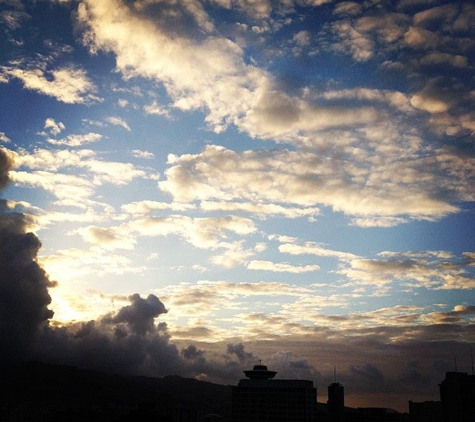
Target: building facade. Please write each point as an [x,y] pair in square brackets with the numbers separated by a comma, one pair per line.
[263,399]
[336,402]
[457,394]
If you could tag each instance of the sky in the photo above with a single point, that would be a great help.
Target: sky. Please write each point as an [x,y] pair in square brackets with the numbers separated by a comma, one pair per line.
[193,186]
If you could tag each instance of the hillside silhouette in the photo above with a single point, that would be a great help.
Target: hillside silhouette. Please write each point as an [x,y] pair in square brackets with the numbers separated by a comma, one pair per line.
[56,392]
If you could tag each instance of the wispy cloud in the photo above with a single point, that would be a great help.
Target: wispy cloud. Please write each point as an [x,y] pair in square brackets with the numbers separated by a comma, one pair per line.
[280,267]
[76,140]
[69,85]
[147,155]
[117,121]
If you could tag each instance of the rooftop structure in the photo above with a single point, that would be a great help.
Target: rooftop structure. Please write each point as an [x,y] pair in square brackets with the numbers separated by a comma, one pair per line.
[260,372]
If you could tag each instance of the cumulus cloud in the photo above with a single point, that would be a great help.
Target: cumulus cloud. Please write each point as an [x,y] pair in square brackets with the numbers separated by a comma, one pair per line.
[69,85]
[54,127]
[216,78]
[155,109]
[424,269]
[140,314]
[306,179]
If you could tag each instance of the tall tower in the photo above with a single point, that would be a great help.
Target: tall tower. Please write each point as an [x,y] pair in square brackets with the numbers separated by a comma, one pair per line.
[457,394]
[336,400]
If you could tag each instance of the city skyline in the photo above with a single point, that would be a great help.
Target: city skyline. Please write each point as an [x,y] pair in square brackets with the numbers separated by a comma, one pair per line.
[211,183]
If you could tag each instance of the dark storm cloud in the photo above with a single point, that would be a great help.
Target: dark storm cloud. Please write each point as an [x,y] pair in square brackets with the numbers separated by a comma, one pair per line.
[6,163]
[238,350]
[24,296]
[140,315]
[368,374]
[192,352]
[127,341]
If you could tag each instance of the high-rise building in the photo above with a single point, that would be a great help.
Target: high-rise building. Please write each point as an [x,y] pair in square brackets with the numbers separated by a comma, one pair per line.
[457,394]
[336,402]
[260,398]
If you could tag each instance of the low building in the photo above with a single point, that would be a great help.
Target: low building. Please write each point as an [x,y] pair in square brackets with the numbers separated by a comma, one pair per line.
[426,411]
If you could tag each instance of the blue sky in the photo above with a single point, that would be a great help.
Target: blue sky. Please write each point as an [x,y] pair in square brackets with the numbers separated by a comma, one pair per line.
[229,181]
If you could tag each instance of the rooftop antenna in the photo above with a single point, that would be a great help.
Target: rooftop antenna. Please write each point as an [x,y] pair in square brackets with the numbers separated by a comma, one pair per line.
[334,373]
[455,363]
[471,356]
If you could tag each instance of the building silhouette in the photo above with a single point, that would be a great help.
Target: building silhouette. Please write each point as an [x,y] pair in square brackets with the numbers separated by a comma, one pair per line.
[457,394]
[336,402]
[260,398]
[426,411]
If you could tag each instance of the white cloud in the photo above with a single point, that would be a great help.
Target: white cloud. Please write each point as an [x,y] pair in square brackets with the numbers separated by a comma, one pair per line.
[260,209]
[69,85]
[347,7]
[14,18]
[211,74]
[420,38]
[308,179]
[430,104]
[378,221]
[155,109]
[54,128]
[302,38]
[147,155]
[63,186]
[435,58]
[47,166]
[280,267]
[205,233]
[310,248]
[147,207]
[4,138]
[76,140]
[359,45]
[429,269]
[107,238]
[234,255]
[117,121]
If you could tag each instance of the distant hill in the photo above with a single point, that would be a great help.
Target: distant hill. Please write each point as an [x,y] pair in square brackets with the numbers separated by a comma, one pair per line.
[47,387]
